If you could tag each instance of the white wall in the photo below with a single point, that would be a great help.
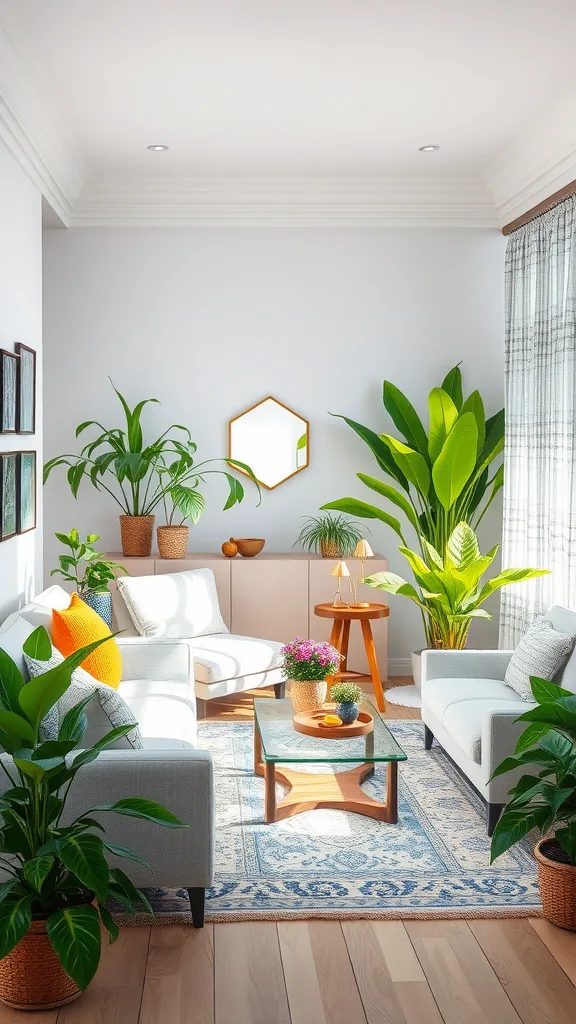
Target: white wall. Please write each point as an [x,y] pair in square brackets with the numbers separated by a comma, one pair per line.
[211,320]
[21,320]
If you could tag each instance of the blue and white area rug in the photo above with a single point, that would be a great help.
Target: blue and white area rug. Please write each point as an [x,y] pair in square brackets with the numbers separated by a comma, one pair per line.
[434,863]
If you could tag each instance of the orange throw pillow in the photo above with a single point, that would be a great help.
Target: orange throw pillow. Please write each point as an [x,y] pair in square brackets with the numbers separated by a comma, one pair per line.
[79,625]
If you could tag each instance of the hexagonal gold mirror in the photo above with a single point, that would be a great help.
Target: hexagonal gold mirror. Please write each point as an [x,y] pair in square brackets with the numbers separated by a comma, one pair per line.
[271,439]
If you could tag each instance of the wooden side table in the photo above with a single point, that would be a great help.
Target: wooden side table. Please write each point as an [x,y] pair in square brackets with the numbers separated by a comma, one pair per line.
[343,615]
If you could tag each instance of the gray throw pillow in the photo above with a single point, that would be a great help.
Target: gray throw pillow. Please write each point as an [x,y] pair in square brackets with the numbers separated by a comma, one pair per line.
[541,652]
[111,711]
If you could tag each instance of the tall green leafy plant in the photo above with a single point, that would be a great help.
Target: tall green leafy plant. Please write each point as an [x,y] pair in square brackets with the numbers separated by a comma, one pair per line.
[82,565]
[449,589]
[139,476]
[57,872]
[440,477]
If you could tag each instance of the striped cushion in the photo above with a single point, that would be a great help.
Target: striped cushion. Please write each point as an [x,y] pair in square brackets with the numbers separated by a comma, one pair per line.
[541,652]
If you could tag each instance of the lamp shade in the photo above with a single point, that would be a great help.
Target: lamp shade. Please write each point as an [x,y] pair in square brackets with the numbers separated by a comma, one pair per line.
[363,550]
[340,569]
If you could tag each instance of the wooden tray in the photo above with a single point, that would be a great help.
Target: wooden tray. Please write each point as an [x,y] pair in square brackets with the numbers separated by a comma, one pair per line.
[310,723]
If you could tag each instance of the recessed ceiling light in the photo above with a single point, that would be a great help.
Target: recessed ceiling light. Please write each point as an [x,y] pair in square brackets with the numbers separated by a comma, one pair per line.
[428,149]
[157,148]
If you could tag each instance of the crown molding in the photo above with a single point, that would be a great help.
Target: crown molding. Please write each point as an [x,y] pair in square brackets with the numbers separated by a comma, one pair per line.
[281,202]
[537,163]
[33,136]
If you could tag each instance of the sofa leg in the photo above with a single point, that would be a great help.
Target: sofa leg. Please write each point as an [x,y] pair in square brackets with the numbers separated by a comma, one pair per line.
[197,897]
[280,690]
[493,812]
[428,737]
[201,709]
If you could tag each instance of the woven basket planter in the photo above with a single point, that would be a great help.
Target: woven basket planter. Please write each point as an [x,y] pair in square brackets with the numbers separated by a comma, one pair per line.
[32,977]
[330,549]
[172,541]
[307,695]
[557,889]
[136,534]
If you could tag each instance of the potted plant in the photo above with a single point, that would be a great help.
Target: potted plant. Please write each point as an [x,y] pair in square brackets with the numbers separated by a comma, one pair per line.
[98,571]
[53,900]
[546,799]
[347,697]
[438,478]
[306,665]
[329,535]
[449,589]
[134,473]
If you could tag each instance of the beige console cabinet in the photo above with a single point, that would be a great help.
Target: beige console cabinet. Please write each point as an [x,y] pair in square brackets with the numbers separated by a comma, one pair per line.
[273,596]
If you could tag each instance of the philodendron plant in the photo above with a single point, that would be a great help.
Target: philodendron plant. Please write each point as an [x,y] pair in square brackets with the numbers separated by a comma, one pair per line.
[449,589]
[58,872]
[439,478]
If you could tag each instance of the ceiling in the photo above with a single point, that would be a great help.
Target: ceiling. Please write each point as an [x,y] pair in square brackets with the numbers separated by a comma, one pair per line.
[306,108]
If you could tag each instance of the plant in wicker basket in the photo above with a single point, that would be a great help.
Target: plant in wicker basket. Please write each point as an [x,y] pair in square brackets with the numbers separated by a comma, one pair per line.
[331,536]
[57,880]
[546,799]
[306,665]
[347,697]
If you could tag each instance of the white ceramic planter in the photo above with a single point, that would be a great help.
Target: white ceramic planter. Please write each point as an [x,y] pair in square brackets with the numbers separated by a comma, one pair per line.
[416,657]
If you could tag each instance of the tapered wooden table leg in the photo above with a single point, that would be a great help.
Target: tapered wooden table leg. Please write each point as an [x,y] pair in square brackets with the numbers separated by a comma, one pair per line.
[270,792]
[392,791]
[373,664]
[335,635]
[344,645]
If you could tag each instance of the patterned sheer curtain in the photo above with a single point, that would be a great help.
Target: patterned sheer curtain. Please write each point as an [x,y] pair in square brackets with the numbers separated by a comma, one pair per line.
[540,453]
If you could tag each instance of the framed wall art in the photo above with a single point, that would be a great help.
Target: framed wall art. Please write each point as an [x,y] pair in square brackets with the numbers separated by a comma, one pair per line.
[26,389]
[26,491]
[8,391]
[8,495]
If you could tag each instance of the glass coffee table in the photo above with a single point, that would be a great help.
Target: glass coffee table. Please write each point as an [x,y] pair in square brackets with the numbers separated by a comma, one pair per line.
[276,741]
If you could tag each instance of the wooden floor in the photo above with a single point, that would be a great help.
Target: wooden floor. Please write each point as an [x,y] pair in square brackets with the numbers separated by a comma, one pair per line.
[330,972]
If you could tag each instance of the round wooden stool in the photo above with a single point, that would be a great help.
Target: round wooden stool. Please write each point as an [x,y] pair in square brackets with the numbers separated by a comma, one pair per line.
[343,615]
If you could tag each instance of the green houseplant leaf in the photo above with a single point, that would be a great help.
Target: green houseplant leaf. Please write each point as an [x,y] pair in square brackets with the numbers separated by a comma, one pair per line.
[455,463]
[75,937]
[443,416]
[405,417]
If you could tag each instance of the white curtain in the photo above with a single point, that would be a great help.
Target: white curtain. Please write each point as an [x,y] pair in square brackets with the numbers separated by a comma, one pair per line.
[540,452]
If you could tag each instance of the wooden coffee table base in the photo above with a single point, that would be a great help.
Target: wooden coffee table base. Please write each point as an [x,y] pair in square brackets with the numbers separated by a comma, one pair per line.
[308,792]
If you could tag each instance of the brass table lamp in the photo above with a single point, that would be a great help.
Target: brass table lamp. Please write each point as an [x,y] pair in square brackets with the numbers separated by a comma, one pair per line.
[361,551]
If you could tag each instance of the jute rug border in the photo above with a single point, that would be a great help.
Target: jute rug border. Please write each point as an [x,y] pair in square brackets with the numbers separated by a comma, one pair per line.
[482,913]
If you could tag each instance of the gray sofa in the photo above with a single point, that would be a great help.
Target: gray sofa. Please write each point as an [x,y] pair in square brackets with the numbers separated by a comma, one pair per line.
[158,684]
[471,712]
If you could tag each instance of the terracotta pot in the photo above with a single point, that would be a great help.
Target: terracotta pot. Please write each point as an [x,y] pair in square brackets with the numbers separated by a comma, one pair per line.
[329,549]
[32,977]
[248,546]
[557,883]
[136,534]
[306,696]
[172,541]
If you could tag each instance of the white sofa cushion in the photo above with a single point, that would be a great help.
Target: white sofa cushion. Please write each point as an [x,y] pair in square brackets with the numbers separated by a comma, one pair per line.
[13,632]
[39,611]
[179,604]
[461,705]
[541,652]
[165,712]
[218,658]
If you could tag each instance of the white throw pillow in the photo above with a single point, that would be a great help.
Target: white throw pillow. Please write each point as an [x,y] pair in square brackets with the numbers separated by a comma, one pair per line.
[107,711]
[179,604]
[541,652]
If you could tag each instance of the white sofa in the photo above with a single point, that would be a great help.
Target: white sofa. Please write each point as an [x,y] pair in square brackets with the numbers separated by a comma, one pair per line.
[471,712]
[158,685]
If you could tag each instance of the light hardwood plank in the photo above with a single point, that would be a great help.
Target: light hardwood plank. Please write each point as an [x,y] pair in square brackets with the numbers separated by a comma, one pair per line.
[410,984]
[115,994]
[533,981]
[452,989]
[179,985]
[342,1003]
[562,944]
[377,990]
[8,1016]
[302,984]
[249,981]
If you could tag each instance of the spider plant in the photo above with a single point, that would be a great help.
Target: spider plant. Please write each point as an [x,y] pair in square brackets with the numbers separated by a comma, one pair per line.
[332,536]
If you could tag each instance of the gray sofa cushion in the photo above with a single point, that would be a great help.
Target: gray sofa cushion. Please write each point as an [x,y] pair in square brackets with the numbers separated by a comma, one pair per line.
[541,652]
[461,705]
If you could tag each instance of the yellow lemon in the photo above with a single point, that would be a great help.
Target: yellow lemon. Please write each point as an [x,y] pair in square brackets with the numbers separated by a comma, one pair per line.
[331,720]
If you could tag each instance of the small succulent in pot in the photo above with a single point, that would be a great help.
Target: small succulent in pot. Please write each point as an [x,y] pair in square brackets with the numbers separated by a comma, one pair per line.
[89,570]
[347,697]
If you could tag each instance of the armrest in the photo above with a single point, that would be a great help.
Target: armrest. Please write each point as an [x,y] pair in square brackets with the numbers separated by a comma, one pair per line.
[182,780]
[151,658]
[465,664]
[500,734]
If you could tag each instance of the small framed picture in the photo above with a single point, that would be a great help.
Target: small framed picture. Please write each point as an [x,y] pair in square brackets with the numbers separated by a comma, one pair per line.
[26,389]
[26,491]
[8,495]
[8,391]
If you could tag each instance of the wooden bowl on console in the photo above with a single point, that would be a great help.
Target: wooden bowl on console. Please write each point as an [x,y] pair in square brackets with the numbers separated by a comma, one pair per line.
[248,546]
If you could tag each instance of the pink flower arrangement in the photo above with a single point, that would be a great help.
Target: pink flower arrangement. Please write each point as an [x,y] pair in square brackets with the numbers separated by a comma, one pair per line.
[306,660]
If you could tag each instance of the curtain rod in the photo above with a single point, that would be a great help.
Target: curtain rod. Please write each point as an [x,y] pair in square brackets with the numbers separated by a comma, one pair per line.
[540,208]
